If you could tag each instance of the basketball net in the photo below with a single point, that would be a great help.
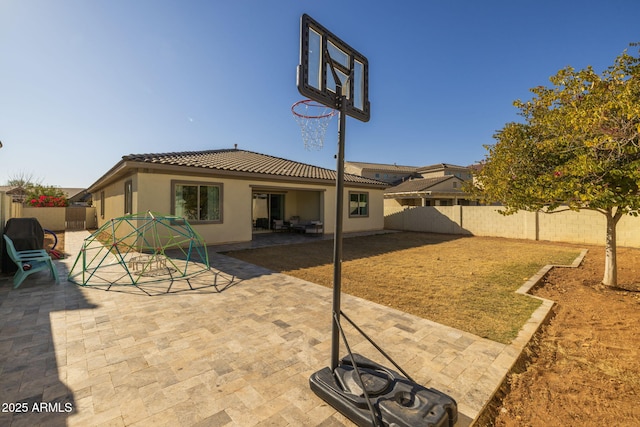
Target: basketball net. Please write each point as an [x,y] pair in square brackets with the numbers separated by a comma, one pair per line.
[313,119]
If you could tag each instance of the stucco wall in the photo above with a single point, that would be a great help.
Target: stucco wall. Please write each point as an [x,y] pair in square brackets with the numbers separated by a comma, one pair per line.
[574,227]
[152,191]
[5,209]
[375,220]
[113,203]
[53,219]
[49,218]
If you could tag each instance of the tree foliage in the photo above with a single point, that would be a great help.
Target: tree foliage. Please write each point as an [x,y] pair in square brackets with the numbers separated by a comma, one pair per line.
[578,146]
[36,194]
[48,191]
[22,180]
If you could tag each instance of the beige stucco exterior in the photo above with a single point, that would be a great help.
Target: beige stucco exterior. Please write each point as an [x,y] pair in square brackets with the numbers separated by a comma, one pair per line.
[152,191]
[445,193]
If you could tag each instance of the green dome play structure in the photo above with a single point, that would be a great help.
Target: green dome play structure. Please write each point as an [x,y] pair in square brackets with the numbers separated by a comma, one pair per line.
[139,249]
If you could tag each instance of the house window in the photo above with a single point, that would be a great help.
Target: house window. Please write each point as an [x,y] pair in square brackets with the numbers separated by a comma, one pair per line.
[128,197]
[358,204]
[102,204]
[197,201]
[455,184]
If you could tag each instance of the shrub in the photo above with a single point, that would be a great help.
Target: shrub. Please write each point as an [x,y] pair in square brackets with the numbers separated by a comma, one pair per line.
[48,202]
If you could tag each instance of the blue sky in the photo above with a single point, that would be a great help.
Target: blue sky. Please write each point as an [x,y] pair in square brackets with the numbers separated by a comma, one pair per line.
[84,82]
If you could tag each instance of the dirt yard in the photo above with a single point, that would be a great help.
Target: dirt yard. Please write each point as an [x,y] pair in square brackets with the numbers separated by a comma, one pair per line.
[584,367]
[59,245]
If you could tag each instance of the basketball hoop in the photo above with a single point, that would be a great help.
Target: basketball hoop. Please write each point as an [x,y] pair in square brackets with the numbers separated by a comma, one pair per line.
[313,119]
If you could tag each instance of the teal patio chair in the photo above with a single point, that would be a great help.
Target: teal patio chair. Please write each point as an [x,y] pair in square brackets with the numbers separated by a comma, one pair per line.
[29,262]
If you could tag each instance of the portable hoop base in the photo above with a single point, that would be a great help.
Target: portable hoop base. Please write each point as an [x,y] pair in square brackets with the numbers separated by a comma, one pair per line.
[396,400]
[364,391]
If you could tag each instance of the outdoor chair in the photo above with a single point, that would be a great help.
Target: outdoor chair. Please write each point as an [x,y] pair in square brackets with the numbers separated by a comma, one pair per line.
[279,225]
[29,262]
[314,228]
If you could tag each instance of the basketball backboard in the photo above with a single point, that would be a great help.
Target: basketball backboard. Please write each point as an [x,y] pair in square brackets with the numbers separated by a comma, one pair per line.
[319,48]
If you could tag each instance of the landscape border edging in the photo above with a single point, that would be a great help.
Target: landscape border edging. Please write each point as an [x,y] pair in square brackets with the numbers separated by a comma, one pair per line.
[526,333]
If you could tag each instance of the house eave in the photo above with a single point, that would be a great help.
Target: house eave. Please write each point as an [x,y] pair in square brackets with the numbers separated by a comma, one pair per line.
[124,168]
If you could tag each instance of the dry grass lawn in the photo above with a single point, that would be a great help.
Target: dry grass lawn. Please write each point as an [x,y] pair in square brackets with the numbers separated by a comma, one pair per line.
[465,282]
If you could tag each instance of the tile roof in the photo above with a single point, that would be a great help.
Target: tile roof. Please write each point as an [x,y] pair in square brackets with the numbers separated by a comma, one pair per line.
[416,185]
[384,167]
[242,161]
[439,166]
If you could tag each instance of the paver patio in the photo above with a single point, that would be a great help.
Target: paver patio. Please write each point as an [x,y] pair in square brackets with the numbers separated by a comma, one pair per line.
[242,356]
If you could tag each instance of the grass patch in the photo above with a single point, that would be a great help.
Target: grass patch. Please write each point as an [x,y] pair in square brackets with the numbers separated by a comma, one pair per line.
[468,283]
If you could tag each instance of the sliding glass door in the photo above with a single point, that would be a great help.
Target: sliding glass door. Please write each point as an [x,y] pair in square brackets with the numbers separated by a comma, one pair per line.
[266,208]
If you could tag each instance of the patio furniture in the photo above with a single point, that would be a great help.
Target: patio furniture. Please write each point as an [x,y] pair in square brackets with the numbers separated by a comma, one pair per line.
[309,227]
[279,225]
[29,262]
[314,228]
[26,234]
[262,223]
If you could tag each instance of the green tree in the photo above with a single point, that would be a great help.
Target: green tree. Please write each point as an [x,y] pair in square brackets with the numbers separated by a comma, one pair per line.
[37,190]
[31,188]
[23,180]
[46,196]
[578,148]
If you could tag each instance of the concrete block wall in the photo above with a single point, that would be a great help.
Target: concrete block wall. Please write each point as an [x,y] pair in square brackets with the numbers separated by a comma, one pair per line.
[487,221]
[576,227]
[430,219]
[628,232]
[586,227]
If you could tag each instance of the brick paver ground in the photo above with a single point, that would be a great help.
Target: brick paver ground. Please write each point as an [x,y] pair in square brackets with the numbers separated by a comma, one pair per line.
[81,356]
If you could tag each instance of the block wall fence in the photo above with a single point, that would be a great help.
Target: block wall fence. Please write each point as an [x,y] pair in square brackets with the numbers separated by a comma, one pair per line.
[587,227]
[55,218]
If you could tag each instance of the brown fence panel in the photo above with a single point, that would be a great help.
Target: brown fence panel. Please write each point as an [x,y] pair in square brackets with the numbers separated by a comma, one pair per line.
[76,218]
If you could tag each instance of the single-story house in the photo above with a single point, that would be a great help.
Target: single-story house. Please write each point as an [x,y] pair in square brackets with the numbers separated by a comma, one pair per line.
[227,195]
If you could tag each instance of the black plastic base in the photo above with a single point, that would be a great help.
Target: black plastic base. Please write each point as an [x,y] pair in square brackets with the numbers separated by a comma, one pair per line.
[396,400]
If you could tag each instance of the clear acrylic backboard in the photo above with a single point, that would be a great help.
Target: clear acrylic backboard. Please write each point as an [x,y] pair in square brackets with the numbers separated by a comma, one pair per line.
[319,49]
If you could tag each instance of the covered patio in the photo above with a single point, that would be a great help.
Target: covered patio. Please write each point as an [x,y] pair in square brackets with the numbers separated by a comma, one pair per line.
[284,205]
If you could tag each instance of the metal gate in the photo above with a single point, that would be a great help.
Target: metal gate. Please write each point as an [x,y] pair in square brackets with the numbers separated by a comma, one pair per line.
[76,218]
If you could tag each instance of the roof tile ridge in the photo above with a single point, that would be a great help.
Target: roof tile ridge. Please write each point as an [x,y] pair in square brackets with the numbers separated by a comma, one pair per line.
[176,153]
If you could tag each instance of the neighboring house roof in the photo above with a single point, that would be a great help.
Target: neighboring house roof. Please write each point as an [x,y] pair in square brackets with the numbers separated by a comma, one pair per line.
[72,192]
[418,185]
[230,162]
[81,196]
[384,167]
[439,166]
[9,189]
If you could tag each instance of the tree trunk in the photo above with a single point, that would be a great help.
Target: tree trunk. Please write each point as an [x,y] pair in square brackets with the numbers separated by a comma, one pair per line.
[610,262]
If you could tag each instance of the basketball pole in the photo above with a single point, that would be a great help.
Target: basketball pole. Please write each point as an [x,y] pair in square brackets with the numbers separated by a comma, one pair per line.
[337,239]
